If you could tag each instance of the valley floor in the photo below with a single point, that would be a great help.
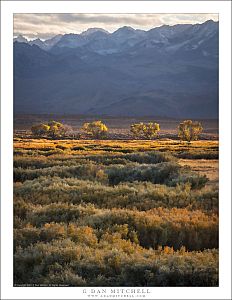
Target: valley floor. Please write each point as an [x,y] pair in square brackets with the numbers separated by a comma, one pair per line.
[115,213]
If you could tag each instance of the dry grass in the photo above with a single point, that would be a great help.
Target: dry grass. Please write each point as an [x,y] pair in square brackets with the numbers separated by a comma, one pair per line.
[204,167]
[99,146]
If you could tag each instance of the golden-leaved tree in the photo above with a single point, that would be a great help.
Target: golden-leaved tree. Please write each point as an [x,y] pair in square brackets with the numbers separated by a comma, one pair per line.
[51,129]
[189,130]
[145,130]
[95,129]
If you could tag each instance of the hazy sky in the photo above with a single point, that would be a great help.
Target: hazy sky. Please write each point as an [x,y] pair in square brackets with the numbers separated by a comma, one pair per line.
[47,25]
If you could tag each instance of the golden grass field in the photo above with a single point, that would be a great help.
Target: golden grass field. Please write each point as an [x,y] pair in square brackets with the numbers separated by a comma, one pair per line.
[117,145]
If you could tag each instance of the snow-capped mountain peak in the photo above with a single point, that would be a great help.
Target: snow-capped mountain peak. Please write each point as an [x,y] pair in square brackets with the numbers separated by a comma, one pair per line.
[20,39]
[93,30]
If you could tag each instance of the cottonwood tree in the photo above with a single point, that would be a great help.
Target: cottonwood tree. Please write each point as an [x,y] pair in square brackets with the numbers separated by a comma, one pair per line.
[145,130]
[95,129]
[51,129]
[189,130]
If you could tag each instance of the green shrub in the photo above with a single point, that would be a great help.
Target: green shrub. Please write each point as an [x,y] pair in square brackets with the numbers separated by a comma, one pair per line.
[198,155]
[159,226]
[64,262]
[44,190]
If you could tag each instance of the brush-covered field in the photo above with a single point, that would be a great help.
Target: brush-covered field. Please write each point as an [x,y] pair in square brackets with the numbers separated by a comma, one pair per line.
[115,213]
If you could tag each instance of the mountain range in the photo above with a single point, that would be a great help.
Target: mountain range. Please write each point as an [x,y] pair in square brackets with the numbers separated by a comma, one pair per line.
[168,71]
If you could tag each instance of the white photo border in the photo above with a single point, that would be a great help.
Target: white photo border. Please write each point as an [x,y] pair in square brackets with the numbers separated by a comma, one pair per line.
[223,8]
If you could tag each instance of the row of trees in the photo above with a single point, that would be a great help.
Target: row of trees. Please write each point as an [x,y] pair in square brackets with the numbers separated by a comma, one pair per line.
[187,130]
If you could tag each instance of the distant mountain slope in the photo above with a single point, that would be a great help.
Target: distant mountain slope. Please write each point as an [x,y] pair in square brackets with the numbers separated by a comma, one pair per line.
[167,71]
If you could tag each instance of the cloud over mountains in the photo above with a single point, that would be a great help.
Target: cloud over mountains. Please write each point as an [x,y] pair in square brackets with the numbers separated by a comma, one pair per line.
[45,26]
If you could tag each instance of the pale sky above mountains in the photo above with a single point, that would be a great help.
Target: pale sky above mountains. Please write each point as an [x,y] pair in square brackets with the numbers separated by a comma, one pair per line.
[44,26]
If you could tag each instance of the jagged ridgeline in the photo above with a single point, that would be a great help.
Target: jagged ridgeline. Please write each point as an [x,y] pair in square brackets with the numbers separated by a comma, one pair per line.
[168,71]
